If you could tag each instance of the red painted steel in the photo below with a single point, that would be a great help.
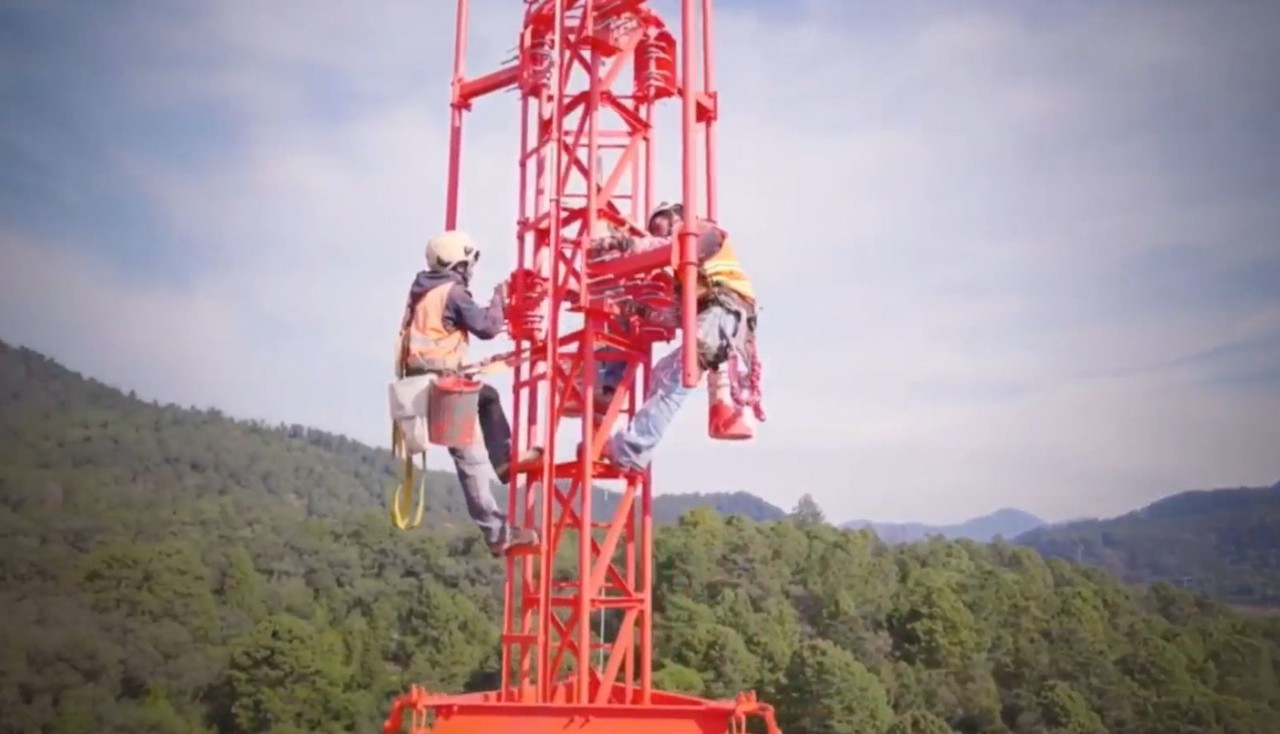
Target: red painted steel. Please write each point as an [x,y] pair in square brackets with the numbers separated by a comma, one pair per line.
[587,162]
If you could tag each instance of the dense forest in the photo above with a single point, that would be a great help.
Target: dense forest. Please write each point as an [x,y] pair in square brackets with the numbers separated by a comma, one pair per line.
[1224,543]
[171,570]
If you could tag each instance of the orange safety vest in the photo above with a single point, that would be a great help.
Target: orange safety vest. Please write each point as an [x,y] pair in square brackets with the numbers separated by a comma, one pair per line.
[724,270]
[428,340]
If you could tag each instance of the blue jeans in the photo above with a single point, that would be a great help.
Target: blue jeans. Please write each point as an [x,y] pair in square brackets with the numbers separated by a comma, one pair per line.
[721,327]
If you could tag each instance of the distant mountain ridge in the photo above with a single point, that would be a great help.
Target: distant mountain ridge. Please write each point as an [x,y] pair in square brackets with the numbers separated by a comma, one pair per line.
[669,507]
[1222,542]
[1006,522]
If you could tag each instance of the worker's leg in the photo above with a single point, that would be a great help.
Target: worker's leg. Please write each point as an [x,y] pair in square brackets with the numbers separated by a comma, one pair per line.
[473,474]
[473,470]
[610,367]
[497,435]
[609,373]
[494,426]
[633,447]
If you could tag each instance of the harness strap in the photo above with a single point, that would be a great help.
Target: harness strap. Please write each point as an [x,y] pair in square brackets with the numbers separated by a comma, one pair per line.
[408,501]
[420,343]
[754,396]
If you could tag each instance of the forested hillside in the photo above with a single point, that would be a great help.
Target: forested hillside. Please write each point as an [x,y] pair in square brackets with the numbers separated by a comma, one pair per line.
[1225,543]
[78,427]
[165,570]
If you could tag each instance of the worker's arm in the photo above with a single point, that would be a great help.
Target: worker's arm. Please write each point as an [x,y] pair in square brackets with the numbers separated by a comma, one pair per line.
[710,238]
[462,311]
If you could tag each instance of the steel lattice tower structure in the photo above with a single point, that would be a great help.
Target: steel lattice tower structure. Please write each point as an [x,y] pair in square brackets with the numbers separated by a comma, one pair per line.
[589,74]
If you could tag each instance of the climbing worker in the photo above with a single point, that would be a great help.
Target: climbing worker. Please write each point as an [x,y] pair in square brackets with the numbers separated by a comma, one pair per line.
[726,322]
[439,319]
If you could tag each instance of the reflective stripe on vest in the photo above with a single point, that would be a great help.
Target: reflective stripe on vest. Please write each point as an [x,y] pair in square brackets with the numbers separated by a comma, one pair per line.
[723,269]
[428,341]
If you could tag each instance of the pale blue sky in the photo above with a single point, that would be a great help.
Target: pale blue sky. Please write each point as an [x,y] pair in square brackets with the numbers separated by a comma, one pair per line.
[1009,256]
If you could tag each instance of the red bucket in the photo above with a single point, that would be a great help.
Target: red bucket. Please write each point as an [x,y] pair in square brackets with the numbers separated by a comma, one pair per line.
[453,403]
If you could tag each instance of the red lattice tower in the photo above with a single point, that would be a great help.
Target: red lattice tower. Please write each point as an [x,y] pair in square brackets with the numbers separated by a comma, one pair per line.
[589,74]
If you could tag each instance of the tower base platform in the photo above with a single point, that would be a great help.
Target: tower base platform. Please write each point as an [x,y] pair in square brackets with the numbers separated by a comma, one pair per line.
[616,711]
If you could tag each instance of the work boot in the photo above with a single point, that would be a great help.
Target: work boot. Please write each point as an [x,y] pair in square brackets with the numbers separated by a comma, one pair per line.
[728,422]
[519,540]
[529,459]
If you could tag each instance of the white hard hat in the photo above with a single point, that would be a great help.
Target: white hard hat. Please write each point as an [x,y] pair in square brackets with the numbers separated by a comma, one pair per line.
[672,207]
[448,249]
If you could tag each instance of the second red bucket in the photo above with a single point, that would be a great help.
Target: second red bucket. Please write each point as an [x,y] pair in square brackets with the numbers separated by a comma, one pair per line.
[453,404]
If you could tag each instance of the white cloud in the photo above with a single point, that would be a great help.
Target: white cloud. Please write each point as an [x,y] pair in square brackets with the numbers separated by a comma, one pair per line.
[167,341]
[928,211]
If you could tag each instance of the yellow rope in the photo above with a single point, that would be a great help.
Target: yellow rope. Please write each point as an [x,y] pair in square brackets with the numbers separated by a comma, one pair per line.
[406,514]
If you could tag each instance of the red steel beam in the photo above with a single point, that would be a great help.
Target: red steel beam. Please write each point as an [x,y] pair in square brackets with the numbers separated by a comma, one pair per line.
[630,266]
[691,371]
[473,88]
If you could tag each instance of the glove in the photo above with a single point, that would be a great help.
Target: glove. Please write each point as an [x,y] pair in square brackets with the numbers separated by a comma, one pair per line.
[499,295]
[612,243]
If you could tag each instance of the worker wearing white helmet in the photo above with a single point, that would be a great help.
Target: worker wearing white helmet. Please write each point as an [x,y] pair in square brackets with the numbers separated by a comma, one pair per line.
[439,320]
[726,322]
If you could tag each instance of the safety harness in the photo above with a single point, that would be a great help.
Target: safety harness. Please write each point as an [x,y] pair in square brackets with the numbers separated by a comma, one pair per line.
[407,502]
[754,397]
